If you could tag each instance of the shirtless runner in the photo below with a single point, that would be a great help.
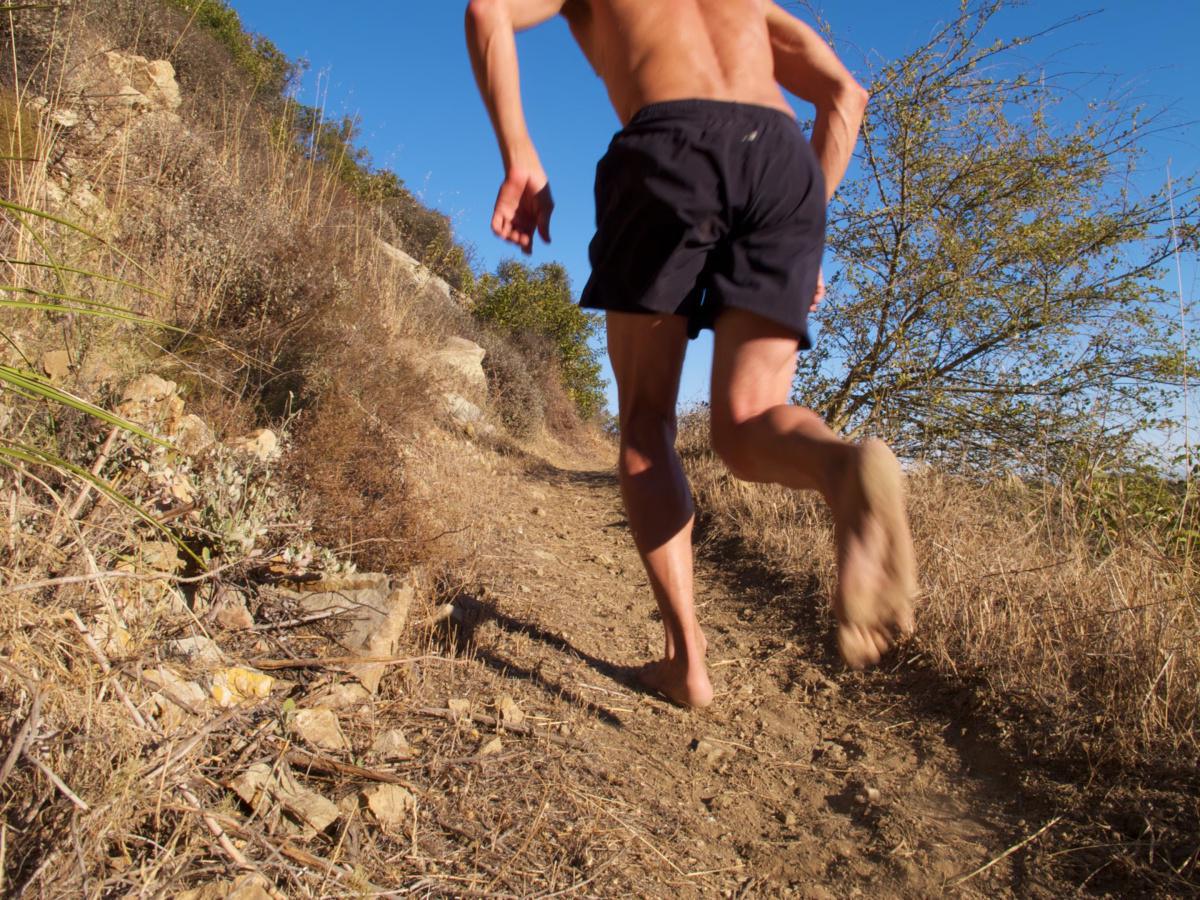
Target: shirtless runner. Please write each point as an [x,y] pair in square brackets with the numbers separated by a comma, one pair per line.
[711,214]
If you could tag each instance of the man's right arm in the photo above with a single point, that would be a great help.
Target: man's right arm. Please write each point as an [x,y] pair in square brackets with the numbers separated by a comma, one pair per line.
[807,66]
[524,201]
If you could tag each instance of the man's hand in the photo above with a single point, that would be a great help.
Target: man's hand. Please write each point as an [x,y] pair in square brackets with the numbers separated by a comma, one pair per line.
[523,205]
[820,294]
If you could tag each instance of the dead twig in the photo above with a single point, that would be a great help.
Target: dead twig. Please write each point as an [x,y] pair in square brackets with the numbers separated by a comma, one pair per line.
[961,879]
[303,760]
[22,737]
[57,782]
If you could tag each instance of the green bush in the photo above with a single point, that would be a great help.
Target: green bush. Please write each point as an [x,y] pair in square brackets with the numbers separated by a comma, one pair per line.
[537,302]
[268,66]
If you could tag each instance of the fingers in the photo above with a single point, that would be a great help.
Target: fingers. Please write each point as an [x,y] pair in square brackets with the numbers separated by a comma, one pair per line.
[520,213]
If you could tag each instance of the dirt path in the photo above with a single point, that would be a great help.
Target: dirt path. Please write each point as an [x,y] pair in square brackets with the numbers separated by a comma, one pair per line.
[802,779]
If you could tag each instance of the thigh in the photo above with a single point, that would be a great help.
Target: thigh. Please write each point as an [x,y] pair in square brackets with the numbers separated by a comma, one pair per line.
[754,364]
[646,353]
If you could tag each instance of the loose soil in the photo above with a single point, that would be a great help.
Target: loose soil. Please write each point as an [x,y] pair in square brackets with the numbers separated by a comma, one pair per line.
[803,779]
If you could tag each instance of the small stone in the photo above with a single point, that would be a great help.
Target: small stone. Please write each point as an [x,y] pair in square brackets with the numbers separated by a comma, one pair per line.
[711,752]
[539,511]
[230,612]
[238,684]
[320,727]
[391,804]
[56,364]
[873,795]
[341,696]
[199,650]
[392,745]
[492,747]
[459,708]
[510,713]
[263,445]
[192,435]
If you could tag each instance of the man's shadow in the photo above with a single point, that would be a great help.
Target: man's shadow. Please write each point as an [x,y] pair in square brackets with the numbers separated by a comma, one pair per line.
[471,612]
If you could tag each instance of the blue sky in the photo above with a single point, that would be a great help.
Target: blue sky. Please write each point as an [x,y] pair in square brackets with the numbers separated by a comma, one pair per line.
[402,67]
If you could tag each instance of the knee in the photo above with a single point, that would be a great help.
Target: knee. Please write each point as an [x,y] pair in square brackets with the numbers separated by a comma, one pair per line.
[733,444]
[646,436]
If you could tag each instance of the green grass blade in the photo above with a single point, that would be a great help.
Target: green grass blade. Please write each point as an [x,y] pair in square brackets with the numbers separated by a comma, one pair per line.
[99,310]
[88,273]
[66,223]
[33,456]
[37,388]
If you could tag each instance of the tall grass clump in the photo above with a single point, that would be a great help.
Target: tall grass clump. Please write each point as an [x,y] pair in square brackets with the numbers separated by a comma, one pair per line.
[1072,603]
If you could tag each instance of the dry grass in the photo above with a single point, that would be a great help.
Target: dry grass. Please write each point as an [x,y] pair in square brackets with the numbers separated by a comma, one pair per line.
[276,306]
[1088,655]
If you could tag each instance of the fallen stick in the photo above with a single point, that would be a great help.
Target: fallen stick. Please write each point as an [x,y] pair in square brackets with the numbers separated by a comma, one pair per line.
[304,760]
[58,782]
[961,879]
[18,747]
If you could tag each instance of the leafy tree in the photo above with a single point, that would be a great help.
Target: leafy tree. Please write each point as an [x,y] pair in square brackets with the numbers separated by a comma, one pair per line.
[526,302]
[997,293]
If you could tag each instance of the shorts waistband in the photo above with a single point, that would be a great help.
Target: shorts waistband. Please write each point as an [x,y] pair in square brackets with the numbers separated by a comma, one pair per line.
[694,109]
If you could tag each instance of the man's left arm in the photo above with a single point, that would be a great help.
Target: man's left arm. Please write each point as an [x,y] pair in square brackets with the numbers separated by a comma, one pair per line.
[524,202]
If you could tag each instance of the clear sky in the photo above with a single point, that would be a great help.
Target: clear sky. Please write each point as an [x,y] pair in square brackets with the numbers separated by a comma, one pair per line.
[402,67]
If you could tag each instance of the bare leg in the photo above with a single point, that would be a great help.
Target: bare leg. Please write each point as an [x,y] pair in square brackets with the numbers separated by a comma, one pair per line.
[647,355]
[763,439]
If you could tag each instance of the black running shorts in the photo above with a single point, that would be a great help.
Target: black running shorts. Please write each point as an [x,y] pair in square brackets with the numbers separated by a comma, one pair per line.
[703,205]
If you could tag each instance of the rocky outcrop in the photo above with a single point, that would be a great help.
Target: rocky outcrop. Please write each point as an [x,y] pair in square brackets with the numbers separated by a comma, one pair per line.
[418,272]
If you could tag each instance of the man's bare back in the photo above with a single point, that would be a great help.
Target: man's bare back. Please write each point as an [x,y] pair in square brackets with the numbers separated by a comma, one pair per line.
[677,49]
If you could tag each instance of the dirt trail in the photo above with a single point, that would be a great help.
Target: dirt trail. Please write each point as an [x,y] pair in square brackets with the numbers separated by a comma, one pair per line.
[803,779]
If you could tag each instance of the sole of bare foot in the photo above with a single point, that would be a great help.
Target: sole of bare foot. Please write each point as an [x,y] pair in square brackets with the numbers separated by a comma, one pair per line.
[877,572]
[673,682]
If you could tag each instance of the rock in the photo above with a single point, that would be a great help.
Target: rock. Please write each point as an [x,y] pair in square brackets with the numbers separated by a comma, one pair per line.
[238,684]
[198,650]
[463,360]
[392,745]
[142,84]
[374,612]
[192,435]
[248,887]
[340,696]
[391,804]
[160,556]
[510,713]
[712,752]
[462,410]
[169,682]
[831,752]
[459,707]
[417,271]
[230,612]
[320,727]
[151,402]
[261,786]
[873,795]
[539,511]
[56,364]
[492,747]
[263,445]
[65,118]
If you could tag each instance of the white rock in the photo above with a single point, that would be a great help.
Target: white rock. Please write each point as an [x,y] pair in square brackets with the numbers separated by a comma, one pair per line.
[464,360]
[260,785]
[193,435]
[391,804]
[375,612]
[262,444]
[198,650]
[392,745]
[340,696]
[510,713]
[320,727]
[462,410]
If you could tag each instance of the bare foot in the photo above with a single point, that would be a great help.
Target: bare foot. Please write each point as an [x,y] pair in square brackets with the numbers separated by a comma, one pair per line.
[673,680]
[876,570]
